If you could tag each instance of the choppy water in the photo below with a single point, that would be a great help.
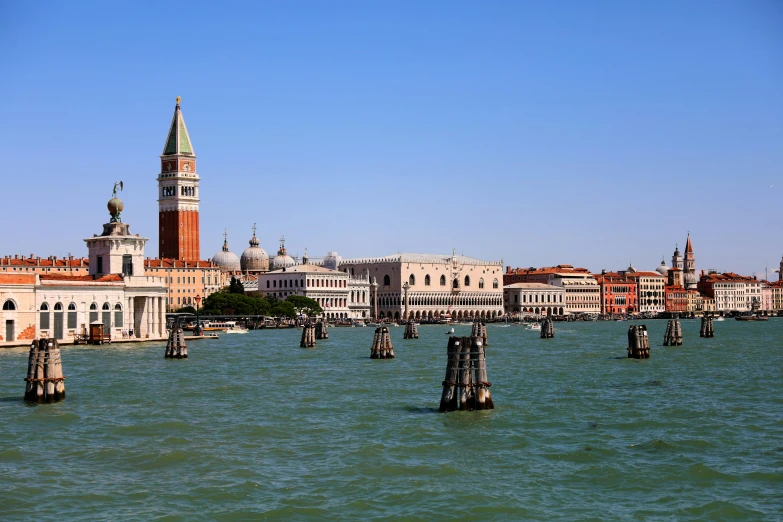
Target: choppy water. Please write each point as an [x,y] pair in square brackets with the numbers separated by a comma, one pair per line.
[252,426]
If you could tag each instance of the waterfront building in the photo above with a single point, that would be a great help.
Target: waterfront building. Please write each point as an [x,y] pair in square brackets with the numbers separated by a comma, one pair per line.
[617,293]
[732,292]
[49,265]
[438,286]
[185,280]
[340,294]
[114,292]
[675,298]
[582,293]
[538,275]
[766,297]
[534,299]
[776,289]
[650,297]
[178,195]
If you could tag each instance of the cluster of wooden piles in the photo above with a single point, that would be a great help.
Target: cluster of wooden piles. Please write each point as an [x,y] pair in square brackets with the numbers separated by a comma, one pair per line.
[411,331]
[466,386]
[706,327]
[176,348]
[45,381]
[320,330]
[382,345]
[548,329]
[480,330]
[673,335]
[308,336]
[638,342]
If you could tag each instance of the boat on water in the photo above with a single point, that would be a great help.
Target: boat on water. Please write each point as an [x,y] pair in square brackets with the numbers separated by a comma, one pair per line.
[451,331]
[720,318]
[207,326]
[233,328]
[751,318]
[534,326]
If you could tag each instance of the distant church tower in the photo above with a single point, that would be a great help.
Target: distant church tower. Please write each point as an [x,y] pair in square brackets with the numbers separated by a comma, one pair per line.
[780,272]
[689,271]
[677,258]
[178,195]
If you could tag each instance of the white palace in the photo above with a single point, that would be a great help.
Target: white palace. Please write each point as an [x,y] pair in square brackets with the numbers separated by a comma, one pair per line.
[436,286]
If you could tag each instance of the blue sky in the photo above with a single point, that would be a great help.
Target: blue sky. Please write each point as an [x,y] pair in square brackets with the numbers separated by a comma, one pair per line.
[589,133]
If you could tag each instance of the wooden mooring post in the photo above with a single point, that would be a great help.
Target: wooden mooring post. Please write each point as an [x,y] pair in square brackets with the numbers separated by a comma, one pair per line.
[673,335]
[706,327]
[465,386]
[480,330]
[45,380]
[320,330]
[548,329]
[176,348]
[411,330]
[381,344]
[638,342]
[308,336]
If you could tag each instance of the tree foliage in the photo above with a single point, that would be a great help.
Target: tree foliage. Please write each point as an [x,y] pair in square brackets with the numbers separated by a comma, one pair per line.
[235,286]
[284,309]
[186,310]
[227,303]
[305,305]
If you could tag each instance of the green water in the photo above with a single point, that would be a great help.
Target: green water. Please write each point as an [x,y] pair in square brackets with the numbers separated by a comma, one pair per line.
[252,427]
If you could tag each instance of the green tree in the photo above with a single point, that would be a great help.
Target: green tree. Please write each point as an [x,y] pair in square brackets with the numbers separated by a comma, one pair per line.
[235,286]
[305,305]
[226,303]
[186,310]
[284,309]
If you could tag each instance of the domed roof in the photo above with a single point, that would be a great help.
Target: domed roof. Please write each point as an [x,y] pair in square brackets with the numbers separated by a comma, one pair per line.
[254,258]
[225,259]
[662,268]
[282,259]
[690,278]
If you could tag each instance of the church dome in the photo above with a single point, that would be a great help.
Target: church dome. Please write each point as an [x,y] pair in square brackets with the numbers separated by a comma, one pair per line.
[663,269]
[282,259]
[225,259]
[690,279]
[254,258]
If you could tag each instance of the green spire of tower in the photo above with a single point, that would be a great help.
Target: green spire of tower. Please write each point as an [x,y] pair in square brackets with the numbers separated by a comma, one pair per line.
[178,141]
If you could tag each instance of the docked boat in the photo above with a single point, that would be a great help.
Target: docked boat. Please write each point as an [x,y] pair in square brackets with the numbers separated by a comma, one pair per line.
[231,327]
[208,326]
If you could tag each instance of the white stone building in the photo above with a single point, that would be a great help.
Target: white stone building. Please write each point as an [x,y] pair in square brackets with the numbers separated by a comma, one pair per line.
[438,286]
[582,292]
[534,299]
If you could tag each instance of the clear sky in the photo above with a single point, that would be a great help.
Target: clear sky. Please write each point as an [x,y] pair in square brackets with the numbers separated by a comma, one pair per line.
[589,133]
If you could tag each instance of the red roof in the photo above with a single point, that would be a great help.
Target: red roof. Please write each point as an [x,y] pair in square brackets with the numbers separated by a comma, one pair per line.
[17,279]
[177,263]
[108,278]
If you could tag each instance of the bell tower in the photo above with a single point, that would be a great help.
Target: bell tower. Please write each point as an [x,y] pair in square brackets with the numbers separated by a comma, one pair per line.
[178,195]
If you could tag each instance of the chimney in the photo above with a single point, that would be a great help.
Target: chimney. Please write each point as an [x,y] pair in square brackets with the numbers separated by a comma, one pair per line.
[603,272]
[508,269]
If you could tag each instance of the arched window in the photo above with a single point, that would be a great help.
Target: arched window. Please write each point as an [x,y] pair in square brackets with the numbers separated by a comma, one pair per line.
[93,312]
[443,280]
[9,305]
[58,307]
[455,283]
[44,316]
[427,280]
[106,318]
[495,283]
[386,280]
[412,280]
[467,280]
[481,283]
[118,315]
[72,316]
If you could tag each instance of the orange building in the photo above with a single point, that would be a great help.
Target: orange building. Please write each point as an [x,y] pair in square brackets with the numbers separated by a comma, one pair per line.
[618,293]
[676,298]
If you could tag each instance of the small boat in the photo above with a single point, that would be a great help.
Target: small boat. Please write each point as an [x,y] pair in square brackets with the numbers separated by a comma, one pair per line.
[451,331]
[233,328]
[534,326]
[720,318]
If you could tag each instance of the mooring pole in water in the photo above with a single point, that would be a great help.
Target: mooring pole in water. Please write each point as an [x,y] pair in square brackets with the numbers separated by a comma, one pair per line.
[706,327]
[45,380]
[548,329]
[381,344]
[308,336]
[673,335]
[176,348]
[638,342]
[465,386]
[320,330]
[411,330]
[480,330]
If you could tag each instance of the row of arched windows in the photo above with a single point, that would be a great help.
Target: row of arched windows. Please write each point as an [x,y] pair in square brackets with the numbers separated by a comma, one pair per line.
[454,284]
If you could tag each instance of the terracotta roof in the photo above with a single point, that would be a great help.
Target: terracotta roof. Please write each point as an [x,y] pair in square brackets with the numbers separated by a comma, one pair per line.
[533,286]
[43,261]
[547,270]
[17,279]
[109,278]
[613,277]
[728,277]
